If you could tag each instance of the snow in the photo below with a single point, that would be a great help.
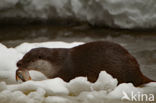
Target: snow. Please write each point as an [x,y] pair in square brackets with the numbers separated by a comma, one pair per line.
[43,90]
[113,13]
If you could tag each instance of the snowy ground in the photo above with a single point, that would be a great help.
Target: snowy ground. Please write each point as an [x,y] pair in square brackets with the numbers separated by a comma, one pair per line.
[113,13]
[78,90]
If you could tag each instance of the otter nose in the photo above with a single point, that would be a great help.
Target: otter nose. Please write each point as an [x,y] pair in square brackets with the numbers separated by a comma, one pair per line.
[19,63]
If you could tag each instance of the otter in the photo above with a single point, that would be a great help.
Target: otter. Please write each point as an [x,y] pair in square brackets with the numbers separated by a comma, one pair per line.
[87,60]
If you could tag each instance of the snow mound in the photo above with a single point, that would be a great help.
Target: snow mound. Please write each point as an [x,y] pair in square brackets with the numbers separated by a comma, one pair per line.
[78,90]
[113,13]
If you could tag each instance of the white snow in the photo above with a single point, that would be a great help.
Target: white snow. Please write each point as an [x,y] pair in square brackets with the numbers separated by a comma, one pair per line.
[42,90]
[113,13]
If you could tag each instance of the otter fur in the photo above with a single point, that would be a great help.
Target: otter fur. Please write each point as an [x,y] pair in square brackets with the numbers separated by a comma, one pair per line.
[87,60]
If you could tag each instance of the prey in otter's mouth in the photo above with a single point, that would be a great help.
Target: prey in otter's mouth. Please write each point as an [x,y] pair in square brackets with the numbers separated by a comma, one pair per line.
[22,75]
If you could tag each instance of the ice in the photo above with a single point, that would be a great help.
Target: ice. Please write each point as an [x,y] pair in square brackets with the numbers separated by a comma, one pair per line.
[57,99]
[51,86]
[79,85]
[5,4]
[9,57]
[113,13]
[43,90]
[105,82]
[128,88]
[2,86]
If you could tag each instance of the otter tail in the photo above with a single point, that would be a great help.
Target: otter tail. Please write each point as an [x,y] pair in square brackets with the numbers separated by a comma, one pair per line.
[147,80]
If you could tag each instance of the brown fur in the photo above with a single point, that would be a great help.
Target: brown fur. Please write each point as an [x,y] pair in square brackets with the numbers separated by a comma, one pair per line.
[88,60]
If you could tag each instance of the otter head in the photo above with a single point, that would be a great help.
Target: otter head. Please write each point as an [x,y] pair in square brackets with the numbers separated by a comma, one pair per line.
[40,59]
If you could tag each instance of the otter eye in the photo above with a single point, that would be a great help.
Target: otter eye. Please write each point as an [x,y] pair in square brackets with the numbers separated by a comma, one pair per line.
[39,57]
